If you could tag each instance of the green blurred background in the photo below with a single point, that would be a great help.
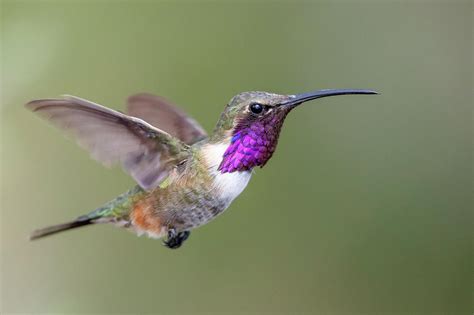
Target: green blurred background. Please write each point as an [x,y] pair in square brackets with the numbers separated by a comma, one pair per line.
[366,207]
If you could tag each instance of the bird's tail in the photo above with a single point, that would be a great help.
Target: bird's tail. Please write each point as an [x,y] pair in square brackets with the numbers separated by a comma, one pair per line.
[116,208]
[53,229]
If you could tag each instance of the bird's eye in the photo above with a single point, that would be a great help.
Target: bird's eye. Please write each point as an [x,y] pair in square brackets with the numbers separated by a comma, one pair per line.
[256,108]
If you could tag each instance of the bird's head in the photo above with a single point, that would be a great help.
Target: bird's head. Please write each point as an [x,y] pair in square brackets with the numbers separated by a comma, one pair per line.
[250,125]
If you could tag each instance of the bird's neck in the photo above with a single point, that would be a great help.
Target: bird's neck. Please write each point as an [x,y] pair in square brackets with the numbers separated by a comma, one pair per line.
[226,186]
[248,145]
[213,152]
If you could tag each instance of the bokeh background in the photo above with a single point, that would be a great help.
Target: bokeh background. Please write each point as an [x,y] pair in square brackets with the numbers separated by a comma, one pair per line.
[366,207]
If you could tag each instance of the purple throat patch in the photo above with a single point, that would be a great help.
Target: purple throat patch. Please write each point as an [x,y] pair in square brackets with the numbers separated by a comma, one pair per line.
[252,145]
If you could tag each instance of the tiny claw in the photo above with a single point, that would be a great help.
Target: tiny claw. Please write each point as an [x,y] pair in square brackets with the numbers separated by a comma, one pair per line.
[175,239]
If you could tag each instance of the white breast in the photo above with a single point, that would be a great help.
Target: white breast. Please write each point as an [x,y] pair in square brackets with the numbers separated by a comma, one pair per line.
[229,185]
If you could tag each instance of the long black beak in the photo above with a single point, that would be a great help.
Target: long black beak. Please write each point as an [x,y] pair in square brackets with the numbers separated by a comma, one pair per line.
[304,97]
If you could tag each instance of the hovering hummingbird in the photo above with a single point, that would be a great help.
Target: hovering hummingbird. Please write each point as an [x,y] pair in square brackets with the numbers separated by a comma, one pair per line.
[185,177]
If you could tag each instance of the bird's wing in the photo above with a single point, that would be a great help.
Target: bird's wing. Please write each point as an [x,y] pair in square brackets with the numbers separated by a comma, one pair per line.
[161,113]
[145,152]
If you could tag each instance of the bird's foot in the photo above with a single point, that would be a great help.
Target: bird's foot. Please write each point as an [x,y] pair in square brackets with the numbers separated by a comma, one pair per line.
[176,239]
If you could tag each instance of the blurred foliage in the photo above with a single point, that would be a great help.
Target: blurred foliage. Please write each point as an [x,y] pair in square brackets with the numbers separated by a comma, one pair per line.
[366,206]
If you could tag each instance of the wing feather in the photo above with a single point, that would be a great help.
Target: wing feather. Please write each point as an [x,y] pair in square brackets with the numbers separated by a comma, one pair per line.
[145,152]
[163,114]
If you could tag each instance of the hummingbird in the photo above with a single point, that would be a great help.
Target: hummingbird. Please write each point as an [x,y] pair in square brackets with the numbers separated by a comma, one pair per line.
[185,178]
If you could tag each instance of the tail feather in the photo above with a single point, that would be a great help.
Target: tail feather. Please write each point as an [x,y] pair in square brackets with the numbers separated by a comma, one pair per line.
[117,207]
[60,227]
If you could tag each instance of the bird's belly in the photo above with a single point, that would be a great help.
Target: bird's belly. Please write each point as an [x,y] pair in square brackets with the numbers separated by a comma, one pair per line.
[191,200]
[198,213]
[204,205]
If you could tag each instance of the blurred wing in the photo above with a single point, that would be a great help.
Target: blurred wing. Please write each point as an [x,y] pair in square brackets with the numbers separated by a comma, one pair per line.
[145,152]
[161,113]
